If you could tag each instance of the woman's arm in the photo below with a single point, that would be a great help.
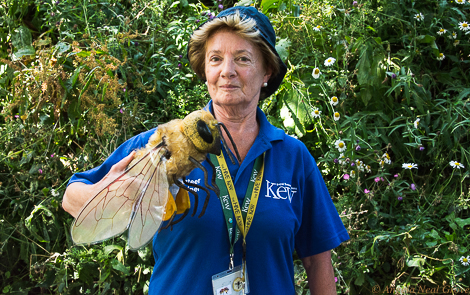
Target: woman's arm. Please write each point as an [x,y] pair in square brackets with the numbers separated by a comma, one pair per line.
[78,193]
[320,274]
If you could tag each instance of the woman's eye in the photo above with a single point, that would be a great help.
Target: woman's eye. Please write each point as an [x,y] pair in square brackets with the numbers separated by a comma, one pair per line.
[214,59]
[243,59]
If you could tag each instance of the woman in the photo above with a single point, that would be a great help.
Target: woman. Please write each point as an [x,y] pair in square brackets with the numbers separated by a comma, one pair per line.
[235,54]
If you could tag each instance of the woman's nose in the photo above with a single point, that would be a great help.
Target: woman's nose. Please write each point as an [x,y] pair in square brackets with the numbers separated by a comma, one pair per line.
[228,68]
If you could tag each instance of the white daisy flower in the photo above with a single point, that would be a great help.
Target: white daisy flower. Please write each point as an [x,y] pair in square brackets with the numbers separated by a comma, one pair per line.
[419,16]
[352,174]
[460,1]
[456,42]
[341,159]
[54,193]
[455,164]
[329,61]
[416,123]
[316,113]
[316,73]
[441,56]
[368,169]
[382,163]
[442,31]
[336,116]
[465,260]
[453,35]
[340,145]
[360,165]
[334,100]
[464,26]
[386,159]
[317,28]
[409,166]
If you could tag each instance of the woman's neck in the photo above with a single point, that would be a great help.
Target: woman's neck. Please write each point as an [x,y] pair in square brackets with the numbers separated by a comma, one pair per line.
[241,124]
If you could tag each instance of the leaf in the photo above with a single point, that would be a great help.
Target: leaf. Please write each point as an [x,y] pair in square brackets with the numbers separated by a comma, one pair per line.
[28,50]
[62,47]
[266,4]
[363,65]
[360,280]
[415,262]
[462,222]
[119,267]
[282,48]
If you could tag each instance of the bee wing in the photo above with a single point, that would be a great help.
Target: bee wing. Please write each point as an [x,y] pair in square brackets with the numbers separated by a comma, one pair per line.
[150,209]
[109,212]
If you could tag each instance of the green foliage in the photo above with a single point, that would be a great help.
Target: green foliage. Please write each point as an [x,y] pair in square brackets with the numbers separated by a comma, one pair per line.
[77,79]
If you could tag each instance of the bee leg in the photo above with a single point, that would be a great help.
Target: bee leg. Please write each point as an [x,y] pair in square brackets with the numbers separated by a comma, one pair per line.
[201,188]
[169,222]
[181,186]
[214,174]
[199,165]
[225,143]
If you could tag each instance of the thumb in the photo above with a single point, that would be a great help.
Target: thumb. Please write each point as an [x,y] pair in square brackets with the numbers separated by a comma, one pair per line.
[121,165]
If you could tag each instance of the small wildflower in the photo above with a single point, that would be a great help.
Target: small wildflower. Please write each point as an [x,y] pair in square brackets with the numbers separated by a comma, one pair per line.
[354,3]
[416,123]
[179,65]
[180,56]
[464,26]
[358,147]
[334,100]
[409,166]
[442,31]
[52,156]
[394,76]
[460,1]
[377,179]
[317,28]
[329,61]
[336,116]
[346,176]
[316,73]
[221,6]
[419,16]
[441,56]
[353,174]
[197,20]
[368,169]
[396,175]
[421,148]
[455,164]
[465,260]
[316,113]
[124,89]
[340,145]
[413,187]
[335,161]
[121,111]
[40,171]
[336,279]
[456,42]
[386,158]
[352,164]
[366,191]
[52,13]
[453,35]
[341,159]
[400,198]
[17,116]
[54,193]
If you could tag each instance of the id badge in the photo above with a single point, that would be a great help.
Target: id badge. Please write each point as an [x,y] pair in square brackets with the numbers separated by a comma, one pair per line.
[230,282]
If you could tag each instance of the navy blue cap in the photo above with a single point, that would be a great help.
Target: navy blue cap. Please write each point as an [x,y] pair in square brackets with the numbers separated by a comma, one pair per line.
[263,25]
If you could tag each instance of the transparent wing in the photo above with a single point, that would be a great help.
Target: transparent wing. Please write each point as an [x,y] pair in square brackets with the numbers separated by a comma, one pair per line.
[150,209]
[109,213]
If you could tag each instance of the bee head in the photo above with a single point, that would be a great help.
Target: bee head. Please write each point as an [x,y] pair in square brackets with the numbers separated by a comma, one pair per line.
[201,128]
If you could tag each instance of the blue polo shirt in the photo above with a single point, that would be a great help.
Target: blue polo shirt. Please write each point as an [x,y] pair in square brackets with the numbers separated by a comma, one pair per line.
[294,212]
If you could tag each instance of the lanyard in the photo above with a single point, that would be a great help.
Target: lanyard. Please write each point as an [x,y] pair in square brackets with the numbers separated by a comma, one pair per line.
[227,191]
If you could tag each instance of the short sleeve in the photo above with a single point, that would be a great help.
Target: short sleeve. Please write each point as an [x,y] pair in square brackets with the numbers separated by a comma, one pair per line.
[321,228]
[96,174]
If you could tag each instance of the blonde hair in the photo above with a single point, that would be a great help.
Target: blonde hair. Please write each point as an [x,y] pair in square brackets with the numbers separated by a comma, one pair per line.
[243,27]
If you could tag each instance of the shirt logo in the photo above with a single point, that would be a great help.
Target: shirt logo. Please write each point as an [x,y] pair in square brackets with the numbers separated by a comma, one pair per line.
[281,191]
[196,181]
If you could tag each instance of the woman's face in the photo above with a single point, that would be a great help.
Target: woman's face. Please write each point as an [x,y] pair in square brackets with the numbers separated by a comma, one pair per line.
[234,70]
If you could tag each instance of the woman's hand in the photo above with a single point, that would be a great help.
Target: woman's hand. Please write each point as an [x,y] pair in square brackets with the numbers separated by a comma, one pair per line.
[78,193]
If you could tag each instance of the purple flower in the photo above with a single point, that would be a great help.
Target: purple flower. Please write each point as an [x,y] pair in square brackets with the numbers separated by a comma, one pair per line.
[221,6]
[180,56]
[346,176]
[197,20]
[413,186]
[17,116]
[381,178]
[358,147]
[52,13]
[124,89]
[366,191]
[335,161]
[394,76]
[354,3]
[212,16]
[377,179]
[179,65]
[400,198]
[421,148]
[352,164]
[122,111]
[52,156]
[336,279]
[40,171]
[203,14]
[136,43]
[396,175]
